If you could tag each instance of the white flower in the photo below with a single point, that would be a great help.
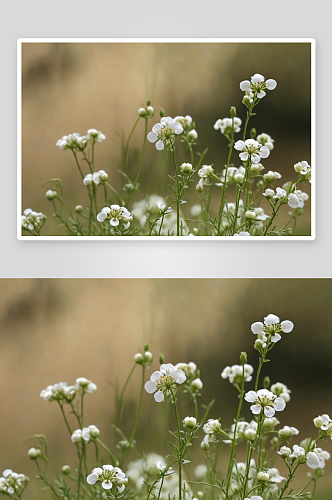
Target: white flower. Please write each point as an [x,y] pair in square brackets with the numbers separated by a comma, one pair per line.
[115,214]
[287,432]
[324,423]
[164,469]
[34,453]
[264,400]
[196,210]
[260,215]
[163,133]
[244,431]
[322,456]
[196,384]
[59,392]
[253,149]
[301,196]
[189,369]
[205,172]
[304,169]
[271,176]
[190,422]
[293,200]
[269,193]
[192,134]
[271,328]
[95,178]
[284,451]
[186,168]
[32,220]
[85,384]
[109,476]
[236,373]
[282,391]
[51,194]
[185,121]
[72,141]
[164,382]
[94,135]
[85,434]
[225,125]
[13,483]
[274,475]
[312,460]
[258,85]
[212,426]
[266,140]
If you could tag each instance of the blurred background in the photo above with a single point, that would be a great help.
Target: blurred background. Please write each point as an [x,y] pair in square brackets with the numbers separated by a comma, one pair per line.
[71,87]
[56,330]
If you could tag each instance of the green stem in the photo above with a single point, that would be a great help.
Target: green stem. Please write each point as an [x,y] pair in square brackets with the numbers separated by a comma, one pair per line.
[123,167]
[77,163]
[180,445]
[107,450]
[93,156]
[223,195]
[65,418]
[140,164]
[122,396]
[177,195]
[115,192]
[79,472]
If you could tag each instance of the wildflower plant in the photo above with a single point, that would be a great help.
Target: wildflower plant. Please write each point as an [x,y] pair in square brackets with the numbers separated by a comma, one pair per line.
[234,195]
[118,471]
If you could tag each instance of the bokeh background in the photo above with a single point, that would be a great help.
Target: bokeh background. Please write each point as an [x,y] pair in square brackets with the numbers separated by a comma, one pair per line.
[56,330]
[71,87]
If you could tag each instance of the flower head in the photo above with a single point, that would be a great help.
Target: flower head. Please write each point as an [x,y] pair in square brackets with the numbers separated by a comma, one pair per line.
[304,169]
[109,476]
[32,221]
[59,392]
[324,423]
[85,435]
[12,483]
[96,178]
[115,214]
[266,140]
[251,149]
[226,125]
[205,172]
[271,328]
[94,135]
[282,391]
[85,384]
[258,85]
[237,373]
[164,382]
[75,142]
[164,133]
[266,401]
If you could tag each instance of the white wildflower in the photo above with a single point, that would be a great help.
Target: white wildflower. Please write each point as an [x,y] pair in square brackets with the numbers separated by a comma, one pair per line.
[205,172]
[272,327]
[258,85]
[237,373]
[164,382]
[85,435]
[281,390]
[110,476]
[59,392]
[164,133]
[85,384]
[266,401]
[31,220]
[266,140]
[251,149]
[226,125]
[94,135]
[115,214]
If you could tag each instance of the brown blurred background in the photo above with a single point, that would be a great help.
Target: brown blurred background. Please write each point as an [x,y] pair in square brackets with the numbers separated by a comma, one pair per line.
[59,329]
[71,87]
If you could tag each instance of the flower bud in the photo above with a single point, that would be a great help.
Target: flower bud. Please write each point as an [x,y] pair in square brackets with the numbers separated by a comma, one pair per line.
[150,110]
[66,469]
[238,178]
[260,184]
[78,209]
[243,357]
[250,434]
[94,432]
[142,112]
[103,176]
[148,356]
[192,134]
[250,214]
[285,433]
[161,358]
[197,384]
[200,495]
[258,345]
[161,112]
[253,133]
[146,347]
[269,177]
[195,231]
[138,358]
[233,112]
[263,476]
[204,445]
[50,194]
[246,100]
[186,168]
[266,382]
[34,453]
[189,422]
[298,167]
[199,187]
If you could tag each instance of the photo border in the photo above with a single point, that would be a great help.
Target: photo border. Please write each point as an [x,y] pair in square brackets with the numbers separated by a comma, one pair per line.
[312,42]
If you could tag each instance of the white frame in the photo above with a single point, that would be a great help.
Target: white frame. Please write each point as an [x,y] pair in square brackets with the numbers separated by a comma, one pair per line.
[312,41]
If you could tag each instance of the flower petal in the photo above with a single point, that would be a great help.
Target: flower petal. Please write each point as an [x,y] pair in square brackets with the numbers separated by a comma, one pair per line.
[257,327]
[107,485]
[160,145]
[156,128]
[256,409]
[159,396]
[269,412]
[244,156]
[156,376]
[287,326]
[150,386]
[152,137]
[250,396]
[101,217]
[114,222]
[245,85]
[257,78]
[92,478]
[270,84]
[239,145]
[279,404]
[179,376]
[276,337]
[264,152]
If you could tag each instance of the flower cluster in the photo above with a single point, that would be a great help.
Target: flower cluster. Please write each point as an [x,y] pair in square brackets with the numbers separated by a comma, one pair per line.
[324,423]
[237,373]
[12,483]
[59,392]
[115,214]
[85,385]
[109,476]
[270,330]
[32,221]
[85,435]
[164,382]
[315,459]
[281,390]
[265,401]
[226,125]
[95,178]
[192,374]
[189,131]
[304,169]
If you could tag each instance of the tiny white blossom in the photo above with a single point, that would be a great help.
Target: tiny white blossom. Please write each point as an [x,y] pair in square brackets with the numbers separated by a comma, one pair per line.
[236,373]
[304,169]
[85,384]
[282,391]
[212,426]
[205,172]
[164,133]
[109,476]
[85,435]
[287,432]
[272,327]
[266,401]
[258,85]
[225,125]
[94,135]
[324,422]
[251,149]
[31,220]
[164,382]
[59,392]
[115,214]
[266,140]
[72,141]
